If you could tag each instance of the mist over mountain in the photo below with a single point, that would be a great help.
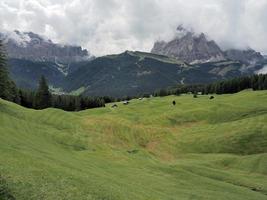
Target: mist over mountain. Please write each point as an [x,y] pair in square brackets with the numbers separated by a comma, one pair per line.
[190,58]
[248,56]
[196,48]
[31,46]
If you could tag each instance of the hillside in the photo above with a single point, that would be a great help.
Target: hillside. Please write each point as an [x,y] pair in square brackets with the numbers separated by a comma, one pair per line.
[71,69]
[27,73]
[200,149]
[129,73]
[133,73]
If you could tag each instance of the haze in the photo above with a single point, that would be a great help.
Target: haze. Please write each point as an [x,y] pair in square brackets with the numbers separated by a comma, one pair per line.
[112,26]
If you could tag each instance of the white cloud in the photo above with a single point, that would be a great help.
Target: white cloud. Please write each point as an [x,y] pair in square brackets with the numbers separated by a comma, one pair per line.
[112,26]
[263,70]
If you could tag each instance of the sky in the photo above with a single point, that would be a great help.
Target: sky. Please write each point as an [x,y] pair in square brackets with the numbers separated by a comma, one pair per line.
[113,26]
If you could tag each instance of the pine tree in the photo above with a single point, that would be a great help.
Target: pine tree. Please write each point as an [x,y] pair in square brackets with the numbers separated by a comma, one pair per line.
[254,82]
[4,78]
[260,82]
[265,83]
[14,93]
[77,103]
[43,98]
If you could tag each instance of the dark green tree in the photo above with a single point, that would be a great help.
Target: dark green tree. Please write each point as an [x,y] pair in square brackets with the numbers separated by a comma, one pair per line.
[43,98]
[4,78]
[254,82]
[265,83]
[14,93]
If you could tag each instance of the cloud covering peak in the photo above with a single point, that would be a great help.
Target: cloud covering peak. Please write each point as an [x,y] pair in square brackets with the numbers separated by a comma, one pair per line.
[112,26]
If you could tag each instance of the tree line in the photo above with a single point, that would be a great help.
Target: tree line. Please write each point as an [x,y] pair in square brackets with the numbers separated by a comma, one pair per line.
[255,82]
[42,98]
[8,89]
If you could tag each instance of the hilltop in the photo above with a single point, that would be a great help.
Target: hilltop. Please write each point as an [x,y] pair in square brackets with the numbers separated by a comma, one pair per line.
[149,149]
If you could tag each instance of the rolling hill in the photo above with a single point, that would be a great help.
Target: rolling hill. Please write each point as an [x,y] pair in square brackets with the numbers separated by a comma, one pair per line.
[199,149]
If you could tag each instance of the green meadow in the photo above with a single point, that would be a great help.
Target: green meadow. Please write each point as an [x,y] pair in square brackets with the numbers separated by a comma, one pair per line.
[199,149]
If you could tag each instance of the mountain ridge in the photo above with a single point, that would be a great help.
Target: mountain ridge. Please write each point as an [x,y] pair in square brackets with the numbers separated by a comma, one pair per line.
[128,73]
[33,47]
[132,73]
[196,48]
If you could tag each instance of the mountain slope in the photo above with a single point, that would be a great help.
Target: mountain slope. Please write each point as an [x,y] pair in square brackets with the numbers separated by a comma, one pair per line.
[34,48]
[132,73]
[248,56]
[200,149]
[129,73]
[27,73]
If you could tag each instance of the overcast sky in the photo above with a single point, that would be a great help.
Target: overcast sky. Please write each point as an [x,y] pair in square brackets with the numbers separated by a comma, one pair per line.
[112,26]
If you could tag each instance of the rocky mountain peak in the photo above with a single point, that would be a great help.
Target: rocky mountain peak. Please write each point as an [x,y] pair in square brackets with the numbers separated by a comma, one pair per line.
[189,47]
[197,48]
[31,46]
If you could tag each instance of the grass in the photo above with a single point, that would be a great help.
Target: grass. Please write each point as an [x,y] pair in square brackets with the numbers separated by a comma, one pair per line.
[147,150]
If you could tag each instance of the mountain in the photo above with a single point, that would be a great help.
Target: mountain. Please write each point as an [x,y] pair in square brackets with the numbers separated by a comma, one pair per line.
[129,73]
[33,47]
[132,73]
[26,73]
[248,56]
[196,48]
[71,69]
[189,47]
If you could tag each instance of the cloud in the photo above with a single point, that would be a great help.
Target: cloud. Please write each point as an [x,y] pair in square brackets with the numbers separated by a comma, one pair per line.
[112,26]
[262,70]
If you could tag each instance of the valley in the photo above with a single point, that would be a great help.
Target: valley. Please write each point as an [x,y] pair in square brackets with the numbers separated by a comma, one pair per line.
[133,100]
[149,149]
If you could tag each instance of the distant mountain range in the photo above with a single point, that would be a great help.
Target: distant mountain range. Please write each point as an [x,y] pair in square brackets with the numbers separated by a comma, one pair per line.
[196,48]
[132,73]
[33,47]
[129,73]
[71,69]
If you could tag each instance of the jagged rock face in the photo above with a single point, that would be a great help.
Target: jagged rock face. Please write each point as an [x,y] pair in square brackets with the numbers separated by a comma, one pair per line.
[31,46]
[246,56]
[190,48]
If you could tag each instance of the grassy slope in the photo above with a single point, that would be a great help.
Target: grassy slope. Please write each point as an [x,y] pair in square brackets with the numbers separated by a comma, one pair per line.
[199,149]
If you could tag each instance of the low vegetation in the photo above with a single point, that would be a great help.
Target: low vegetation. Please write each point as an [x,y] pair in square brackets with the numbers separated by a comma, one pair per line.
[199,148]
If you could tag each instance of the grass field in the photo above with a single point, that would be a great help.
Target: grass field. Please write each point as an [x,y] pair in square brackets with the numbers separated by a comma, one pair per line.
[148,150]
